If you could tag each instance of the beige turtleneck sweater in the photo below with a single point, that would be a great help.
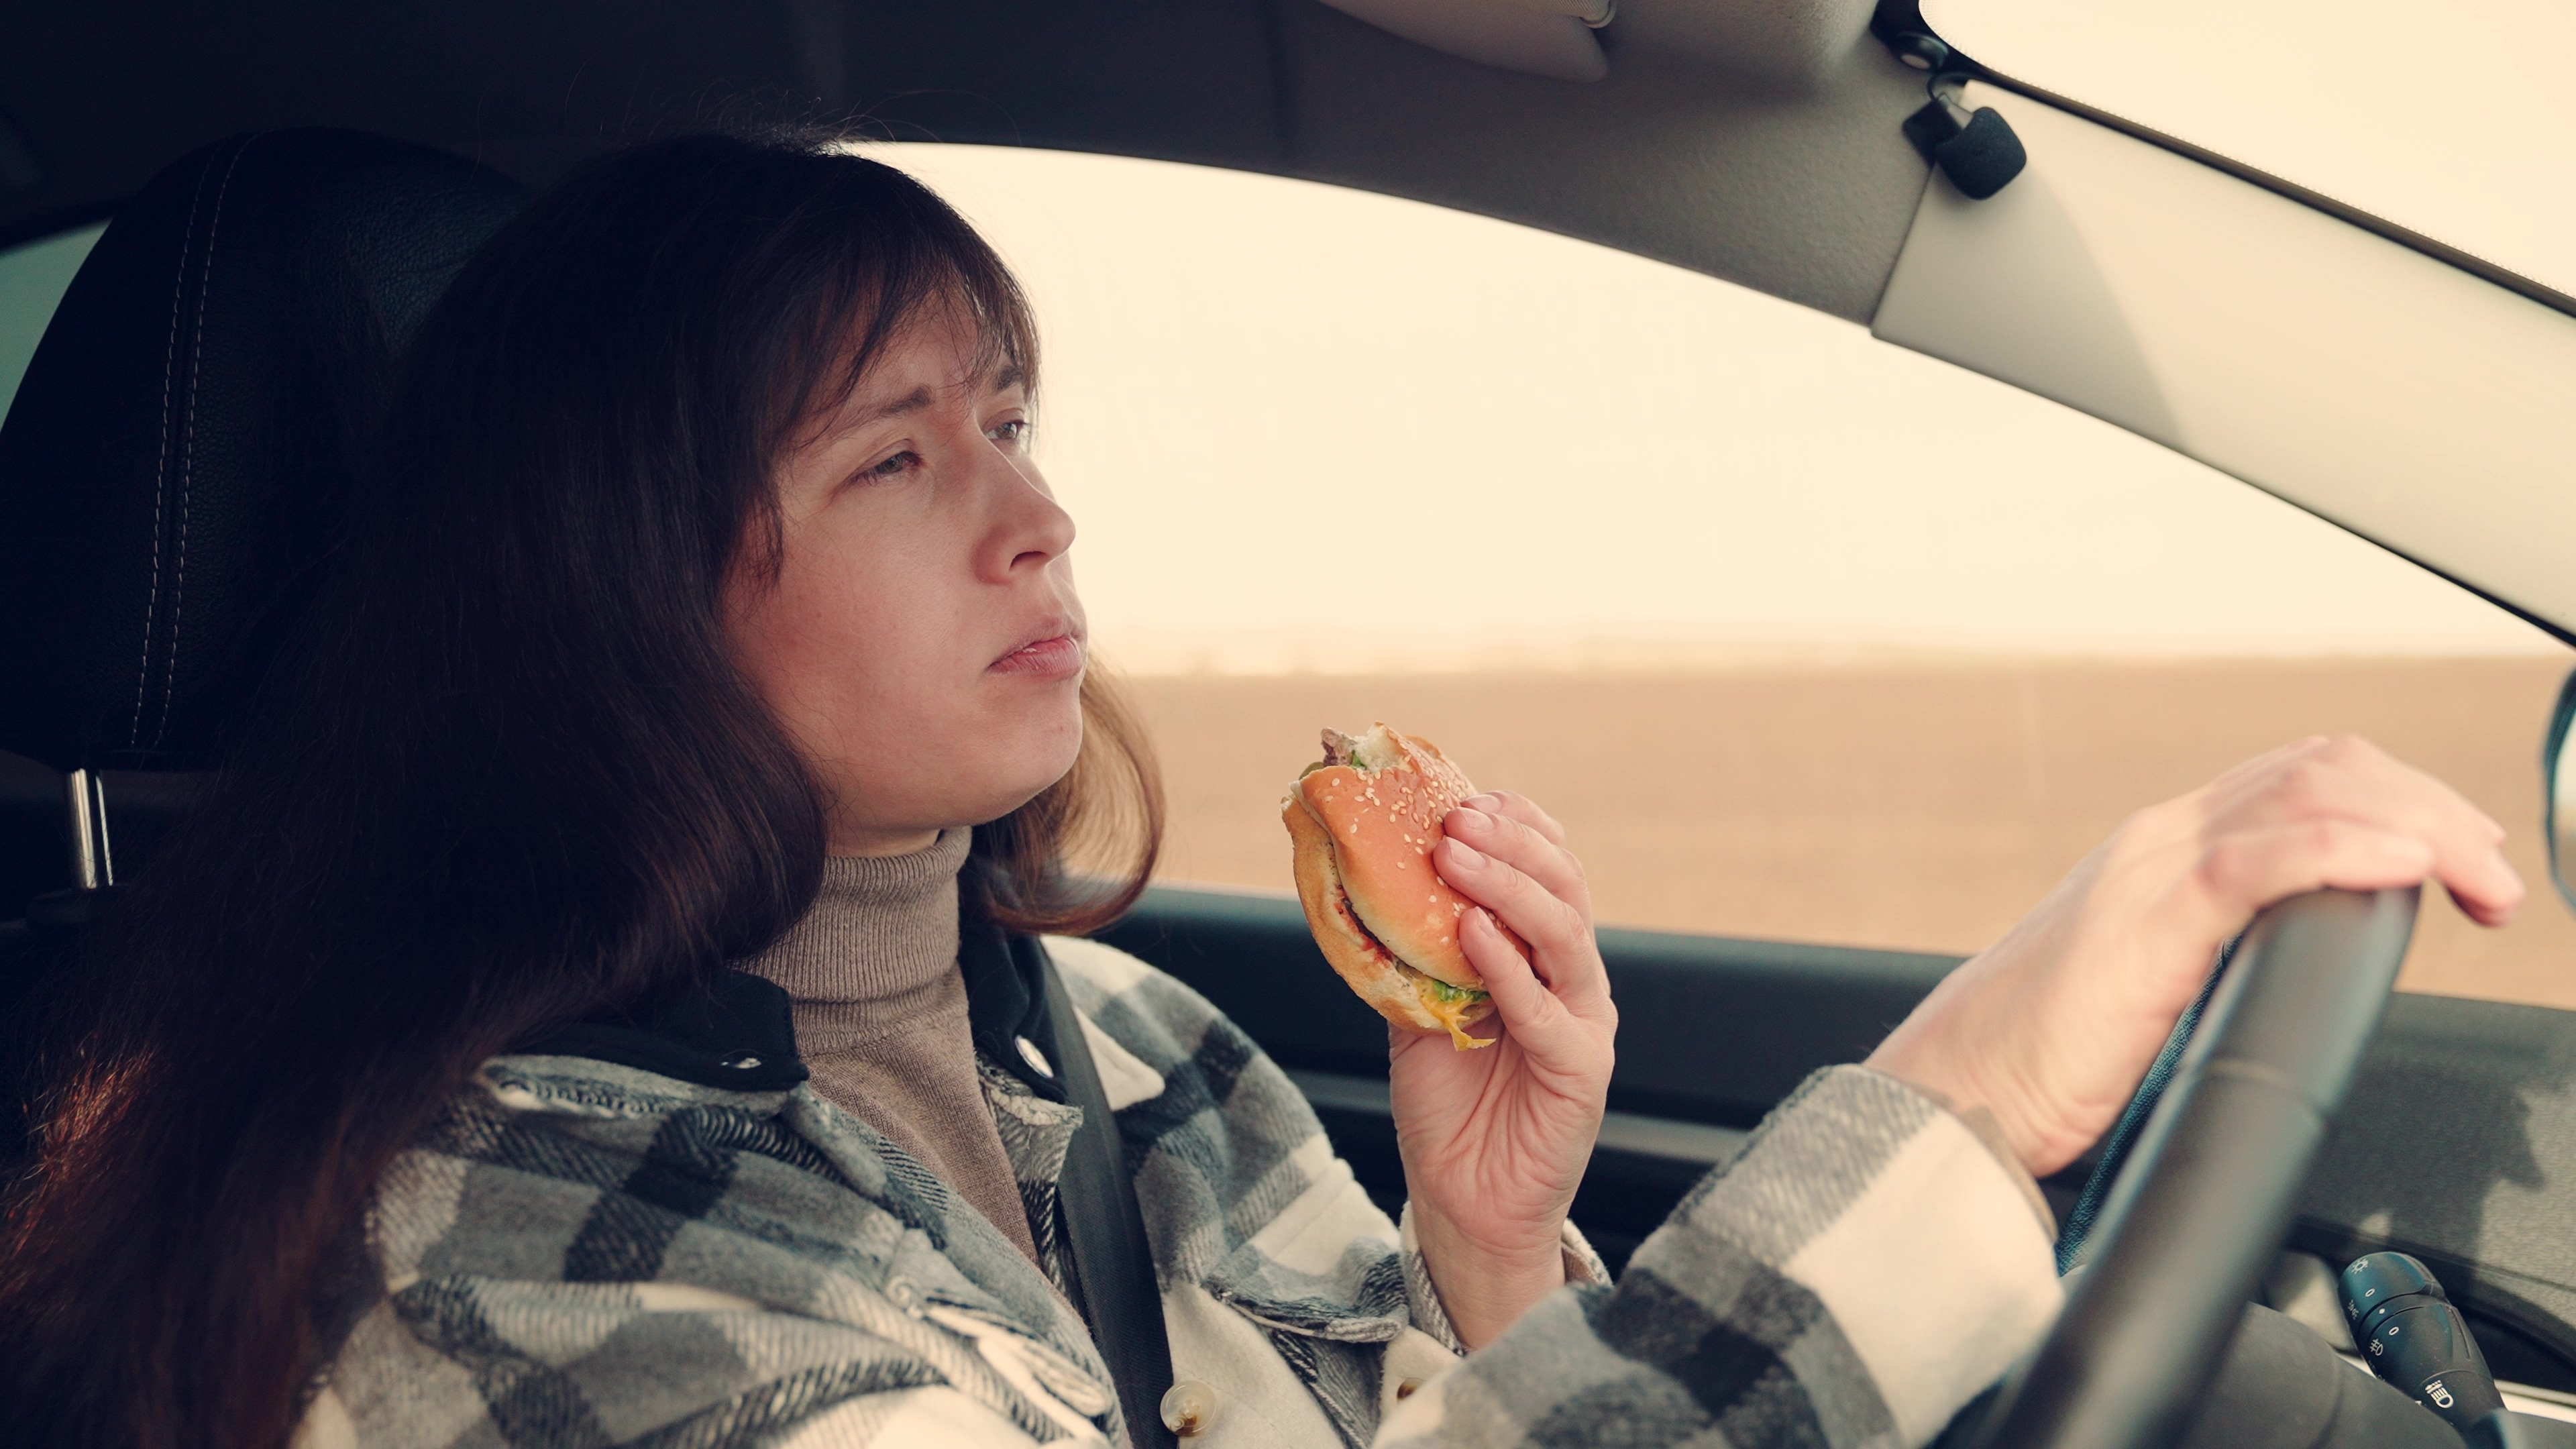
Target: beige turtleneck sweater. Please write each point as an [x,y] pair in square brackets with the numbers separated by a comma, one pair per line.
[880,1012]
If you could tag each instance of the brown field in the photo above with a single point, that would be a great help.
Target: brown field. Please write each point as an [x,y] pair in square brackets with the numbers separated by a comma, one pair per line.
[1907,805]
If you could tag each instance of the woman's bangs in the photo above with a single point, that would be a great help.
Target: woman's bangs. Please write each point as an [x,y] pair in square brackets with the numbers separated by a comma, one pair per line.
[886,285]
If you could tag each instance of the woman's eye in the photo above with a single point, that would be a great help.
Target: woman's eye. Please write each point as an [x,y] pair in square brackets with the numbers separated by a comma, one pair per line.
[1015,432]
[893,467]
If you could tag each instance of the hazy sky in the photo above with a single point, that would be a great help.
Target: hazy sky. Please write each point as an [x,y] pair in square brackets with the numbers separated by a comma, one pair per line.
[1308,427]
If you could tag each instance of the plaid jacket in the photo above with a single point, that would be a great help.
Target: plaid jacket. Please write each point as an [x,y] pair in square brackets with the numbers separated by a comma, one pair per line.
[592,1252]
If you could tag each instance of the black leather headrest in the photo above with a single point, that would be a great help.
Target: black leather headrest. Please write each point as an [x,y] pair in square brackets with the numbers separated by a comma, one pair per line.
[189,428]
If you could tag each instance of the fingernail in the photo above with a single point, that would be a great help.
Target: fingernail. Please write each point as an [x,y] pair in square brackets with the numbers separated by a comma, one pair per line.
[1468,818]
[1464,855]
[1482,802]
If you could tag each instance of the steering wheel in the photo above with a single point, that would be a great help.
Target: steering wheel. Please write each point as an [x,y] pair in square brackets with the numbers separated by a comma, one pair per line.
[2206,1197]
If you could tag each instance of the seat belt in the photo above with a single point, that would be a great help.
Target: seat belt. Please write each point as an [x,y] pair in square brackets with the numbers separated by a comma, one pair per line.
[1105,1231]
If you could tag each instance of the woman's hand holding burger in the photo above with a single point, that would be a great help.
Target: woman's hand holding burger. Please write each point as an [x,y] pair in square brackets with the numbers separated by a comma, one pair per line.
[1495,1141]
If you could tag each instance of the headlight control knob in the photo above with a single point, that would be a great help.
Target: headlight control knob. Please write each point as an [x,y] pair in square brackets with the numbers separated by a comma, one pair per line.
[2414,1339]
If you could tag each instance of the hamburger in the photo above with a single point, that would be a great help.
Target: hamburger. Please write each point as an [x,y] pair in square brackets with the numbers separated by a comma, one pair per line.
[1363,820]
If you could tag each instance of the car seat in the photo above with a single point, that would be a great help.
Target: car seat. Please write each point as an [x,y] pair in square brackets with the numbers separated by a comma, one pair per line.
[172,471]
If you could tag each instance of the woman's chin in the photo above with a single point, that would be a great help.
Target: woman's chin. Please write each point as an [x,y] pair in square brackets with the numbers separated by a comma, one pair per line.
[994,763]
[1024,780]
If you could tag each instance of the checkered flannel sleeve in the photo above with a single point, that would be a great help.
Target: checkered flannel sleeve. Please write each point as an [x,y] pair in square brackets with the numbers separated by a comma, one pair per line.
[1858,1273]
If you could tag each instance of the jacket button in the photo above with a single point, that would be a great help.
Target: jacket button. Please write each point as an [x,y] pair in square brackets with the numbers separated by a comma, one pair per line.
[1036,1059]
[1189,1409]
[742,1061]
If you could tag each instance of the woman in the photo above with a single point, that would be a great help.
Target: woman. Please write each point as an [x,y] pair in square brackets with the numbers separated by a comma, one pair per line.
[704,666]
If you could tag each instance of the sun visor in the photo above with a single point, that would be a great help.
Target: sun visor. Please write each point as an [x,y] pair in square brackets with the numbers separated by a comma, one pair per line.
[1542,37]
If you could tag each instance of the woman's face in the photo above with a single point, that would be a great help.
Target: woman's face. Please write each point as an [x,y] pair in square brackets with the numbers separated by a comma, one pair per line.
[921,640]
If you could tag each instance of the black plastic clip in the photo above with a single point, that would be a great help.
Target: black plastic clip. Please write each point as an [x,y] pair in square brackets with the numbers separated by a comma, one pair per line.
[1976,150]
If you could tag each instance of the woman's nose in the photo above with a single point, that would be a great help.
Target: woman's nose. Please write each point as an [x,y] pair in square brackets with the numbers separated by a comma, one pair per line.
[1030,529]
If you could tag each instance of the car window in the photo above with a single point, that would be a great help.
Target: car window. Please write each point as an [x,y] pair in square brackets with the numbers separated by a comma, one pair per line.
[1803,636]
[32,279]
[2452,120]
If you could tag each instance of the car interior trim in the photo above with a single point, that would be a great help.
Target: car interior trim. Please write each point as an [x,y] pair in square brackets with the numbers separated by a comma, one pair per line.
[2218,318]
[1899,20]
[1692,1142]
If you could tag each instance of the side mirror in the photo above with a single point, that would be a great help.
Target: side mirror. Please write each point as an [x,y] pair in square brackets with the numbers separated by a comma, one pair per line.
[2558,793]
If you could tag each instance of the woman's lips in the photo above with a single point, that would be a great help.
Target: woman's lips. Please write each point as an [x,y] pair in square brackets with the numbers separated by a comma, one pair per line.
[1057,658]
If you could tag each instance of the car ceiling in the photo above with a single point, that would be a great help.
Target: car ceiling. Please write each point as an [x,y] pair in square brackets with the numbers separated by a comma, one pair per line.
[1751,140]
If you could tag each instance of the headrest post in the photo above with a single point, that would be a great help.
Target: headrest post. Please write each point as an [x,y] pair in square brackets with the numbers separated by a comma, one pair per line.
[85,795]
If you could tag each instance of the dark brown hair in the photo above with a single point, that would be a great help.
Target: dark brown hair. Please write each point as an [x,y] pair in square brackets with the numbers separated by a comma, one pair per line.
[505,777]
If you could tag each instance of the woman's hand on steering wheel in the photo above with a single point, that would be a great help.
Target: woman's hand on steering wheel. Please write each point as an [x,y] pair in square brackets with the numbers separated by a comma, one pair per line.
[2052,1027]
[1496,1140]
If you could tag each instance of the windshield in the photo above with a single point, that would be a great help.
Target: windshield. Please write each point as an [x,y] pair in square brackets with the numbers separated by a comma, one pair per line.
[2456,121]
[1674,557]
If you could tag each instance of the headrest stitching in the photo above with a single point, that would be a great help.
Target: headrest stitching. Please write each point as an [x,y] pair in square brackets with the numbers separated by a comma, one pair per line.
[161,466]
[188,441]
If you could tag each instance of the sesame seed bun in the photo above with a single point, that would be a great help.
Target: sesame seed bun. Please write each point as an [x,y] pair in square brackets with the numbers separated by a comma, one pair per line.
[1361,826]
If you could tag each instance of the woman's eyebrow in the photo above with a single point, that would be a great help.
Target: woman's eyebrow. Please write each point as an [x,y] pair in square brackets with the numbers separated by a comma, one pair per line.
[911,402]
[1008,377]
